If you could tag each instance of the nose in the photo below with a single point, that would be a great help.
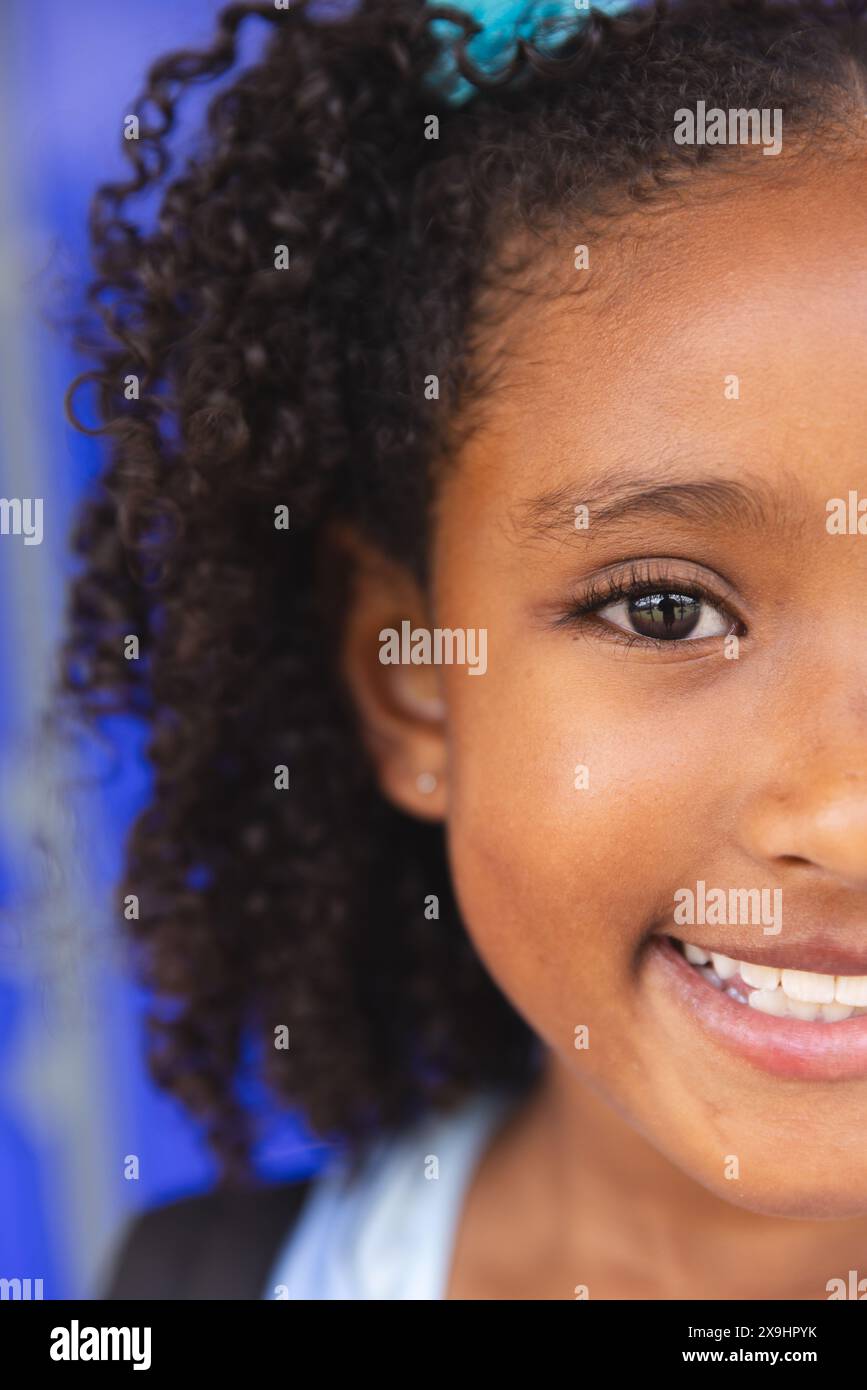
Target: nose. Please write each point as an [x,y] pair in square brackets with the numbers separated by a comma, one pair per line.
[818,819]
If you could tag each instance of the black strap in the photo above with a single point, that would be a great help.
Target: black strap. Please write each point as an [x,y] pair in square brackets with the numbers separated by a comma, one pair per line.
[218,1245]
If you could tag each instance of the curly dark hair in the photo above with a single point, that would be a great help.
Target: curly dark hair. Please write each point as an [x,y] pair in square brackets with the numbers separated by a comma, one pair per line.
[263,387]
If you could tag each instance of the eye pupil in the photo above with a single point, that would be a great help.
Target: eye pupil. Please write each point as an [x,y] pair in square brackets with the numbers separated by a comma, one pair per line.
[668,616]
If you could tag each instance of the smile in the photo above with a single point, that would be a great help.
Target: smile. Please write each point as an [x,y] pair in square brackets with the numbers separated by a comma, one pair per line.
[803,994]
[792,1023]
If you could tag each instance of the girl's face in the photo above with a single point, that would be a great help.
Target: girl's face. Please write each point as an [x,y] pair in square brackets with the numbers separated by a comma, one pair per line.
[703,398]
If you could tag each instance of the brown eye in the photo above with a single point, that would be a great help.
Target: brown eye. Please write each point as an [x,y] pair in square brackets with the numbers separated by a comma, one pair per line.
[666,616]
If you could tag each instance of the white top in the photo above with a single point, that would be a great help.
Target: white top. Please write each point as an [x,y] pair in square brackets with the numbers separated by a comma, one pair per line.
[390,1233]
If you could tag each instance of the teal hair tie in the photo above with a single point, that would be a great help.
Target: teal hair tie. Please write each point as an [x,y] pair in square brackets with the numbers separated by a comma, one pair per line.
[546,23]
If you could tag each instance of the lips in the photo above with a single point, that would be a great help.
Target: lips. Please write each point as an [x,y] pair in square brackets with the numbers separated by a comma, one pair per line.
[784,1047]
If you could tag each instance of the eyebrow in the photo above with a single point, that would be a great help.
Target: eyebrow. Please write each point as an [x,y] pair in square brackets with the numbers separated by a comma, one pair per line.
[615,500]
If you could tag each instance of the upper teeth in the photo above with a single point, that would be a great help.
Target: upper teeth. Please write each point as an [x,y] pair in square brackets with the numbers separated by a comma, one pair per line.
[802,994]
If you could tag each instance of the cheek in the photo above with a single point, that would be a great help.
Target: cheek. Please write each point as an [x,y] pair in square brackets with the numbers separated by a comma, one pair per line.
[559,883]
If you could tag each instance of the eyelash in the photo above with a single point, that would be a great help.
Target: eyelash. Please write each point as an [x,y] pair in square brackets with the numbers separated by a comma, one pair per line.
[641,581]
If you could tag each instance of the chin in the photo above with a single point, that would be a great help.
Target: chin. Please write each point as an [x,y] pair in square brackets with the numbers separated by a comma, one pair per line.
[820,1199]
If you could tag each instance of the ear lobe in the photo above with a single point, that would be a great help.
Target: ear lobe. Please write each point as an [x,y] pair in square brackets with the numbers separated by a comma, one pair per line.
[400,707]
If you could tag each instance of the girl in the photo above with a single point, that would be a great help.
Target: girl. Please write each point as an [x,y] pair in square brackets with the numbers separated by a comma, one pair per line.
[490,517]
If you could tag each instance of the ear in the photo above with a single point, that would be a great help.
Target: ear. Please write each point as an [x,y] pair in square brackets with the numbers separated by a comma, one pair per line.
[400,706]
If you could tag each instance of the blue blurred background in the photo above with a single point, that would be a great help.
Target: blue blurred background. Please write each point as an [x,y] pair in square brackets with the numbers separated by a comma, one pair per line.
[74,1097]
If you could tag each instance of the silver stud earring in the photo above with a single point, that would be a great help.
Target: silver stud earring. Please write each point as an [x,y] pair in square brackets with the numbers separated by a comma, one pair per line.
[426,783]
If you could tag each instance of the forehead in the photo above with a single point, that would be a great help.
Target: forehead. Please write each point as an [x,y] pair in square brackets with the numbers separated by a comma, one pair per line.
[727,329]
